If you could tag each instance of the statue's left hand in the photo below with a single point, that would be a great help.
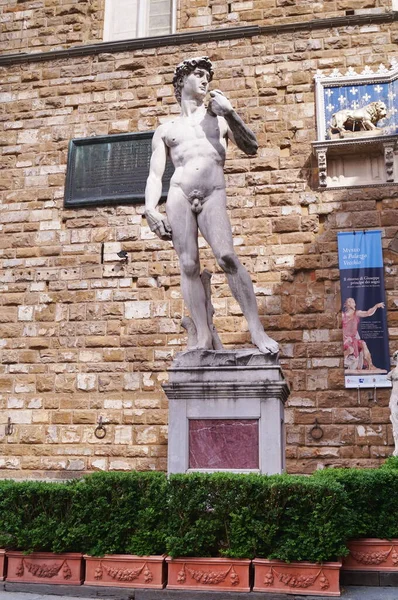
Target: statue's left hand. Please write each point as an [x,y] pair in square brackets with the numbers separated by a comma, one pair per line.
[219,104]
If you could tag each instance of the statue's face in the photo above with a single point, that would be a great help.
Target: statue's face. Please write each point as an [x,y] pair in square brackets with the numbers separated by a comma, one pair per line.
[196,83]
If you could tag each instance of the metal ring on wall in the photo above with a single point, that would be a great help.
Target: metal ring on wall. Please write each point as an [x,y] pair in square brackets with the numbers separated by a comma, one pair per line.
[100,431]
[316,432]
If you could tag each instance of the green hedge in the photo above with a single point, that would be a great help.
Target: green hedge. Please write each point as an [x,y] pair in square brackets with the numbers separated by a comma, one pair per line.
[102,513]
[283,516]
[371,499]
[33,514]
[391,463]
[118,513]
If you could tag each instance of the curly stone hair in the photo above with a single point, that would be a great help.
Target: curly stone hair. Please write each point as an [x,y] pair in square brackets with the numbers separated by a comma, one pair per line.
[186,67]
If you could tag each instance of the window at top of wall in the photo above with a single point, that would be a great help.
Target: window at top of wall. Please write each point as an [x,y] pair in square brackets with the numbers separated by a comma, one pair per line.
[395,4]
[127,19]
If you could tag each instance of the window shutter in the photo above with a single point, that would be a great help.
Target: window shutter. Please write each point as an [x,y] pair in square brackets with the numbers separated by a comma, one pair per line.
[129,19]
[159,17]
[120,21]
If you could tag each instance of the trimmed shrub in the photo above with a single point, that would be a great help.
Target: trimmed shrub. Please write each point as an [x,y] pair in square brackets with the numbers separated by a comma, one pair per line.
[242,516]
[32,514]
[371,499]
[102,513]
[390,463]
[118,513]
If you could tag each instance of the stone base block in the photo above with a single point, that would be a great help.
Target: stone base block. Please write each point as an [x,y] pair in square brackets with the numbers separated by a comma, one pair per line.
[226,412]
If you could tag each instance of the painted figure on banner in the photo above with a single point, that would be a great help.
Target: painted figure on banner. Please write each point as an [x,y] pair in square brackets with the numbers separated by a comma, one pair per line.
[393,377]
[357,356]
[196,142]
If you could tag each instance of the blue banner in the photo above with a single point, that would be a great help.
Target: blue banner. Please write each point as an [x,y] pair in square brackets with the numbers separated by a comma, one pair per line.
[364,313]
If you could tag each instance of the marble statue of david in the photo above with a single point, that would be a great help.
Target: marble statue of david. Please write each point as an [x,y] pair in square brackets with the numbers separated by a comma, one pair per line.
[196,142]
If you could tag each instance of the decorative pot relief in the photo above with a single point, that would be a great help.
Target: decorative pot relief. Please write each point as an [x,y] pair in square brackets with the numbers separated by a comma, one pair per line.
[296,581]
[371,558]
[43,570]
[124,574]
[45,566]
[305,578]
[209,577]
[219,574]
[371,554]
[126,570]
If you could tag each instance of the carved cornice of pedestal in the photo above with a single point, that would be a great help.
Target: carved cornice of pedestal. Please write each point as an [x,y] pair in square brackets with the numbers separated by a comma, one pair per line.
[227,390]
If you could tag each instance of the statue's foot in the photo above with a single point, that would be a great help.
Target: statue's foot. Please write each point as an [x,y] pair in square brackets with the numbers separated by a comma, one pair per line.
[204,343]
[264,343]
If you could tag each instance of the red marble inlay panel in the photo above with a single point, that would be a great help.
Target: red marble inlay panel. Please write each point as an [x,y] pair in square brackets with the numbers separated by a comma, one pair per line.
[223,444]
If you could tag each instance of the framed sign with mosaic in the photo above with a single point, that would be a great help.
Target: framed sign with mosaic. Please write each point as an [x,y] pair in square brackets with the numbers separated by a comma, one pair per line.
[357,118]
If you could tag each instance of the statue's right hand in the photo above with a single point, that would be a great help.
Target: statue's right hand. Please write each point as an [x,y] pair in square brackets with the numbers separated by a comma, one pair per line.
[219,104]
[159,224]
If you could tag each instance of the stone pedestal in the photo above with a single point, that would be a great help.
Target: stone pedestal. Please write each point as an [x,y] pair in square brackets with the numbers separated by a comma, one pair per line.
[226,412]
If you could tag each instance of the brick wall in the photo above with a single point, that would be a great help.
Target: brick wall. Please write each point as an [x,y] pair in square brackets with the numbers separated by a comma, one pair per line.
[38,25]
[201,14]
[82,338]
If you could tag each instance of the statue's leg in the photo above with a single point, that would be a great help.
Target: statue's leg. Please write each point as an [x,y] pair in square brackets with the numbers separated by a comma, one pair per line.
[216,229]
[185,240]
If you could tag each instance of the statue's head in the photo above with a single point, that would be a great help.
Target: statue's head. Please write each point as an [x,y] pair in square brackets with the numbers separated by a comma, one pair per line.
[186,67]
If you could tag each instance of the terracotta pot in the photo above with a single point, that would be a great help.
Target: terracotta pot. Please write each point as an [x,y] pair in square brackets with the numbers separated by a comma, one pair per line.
[223,574]
[45,567]
[372,554]
[306,578]
[125,570]
[2,561]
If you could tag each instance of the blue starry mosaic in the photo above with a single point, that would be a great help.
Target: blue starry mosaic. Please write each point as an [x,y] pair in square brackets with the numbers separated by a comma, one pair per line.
[356,96]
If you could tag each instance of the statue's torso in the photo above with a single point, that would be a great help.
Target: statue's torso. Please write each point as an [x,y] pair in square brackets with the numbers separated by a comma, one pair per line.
[197,148]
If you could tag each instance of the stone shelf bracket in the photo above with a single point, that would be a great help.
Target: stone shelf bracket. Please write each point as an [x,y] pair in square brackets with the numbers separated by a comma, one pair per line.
[320,154]
[366,161]
[389,148]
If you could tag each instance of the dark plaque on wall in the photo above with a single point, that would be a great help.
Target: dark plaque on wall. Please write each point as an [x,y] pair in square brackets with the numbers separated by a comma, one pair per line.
[110,169]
